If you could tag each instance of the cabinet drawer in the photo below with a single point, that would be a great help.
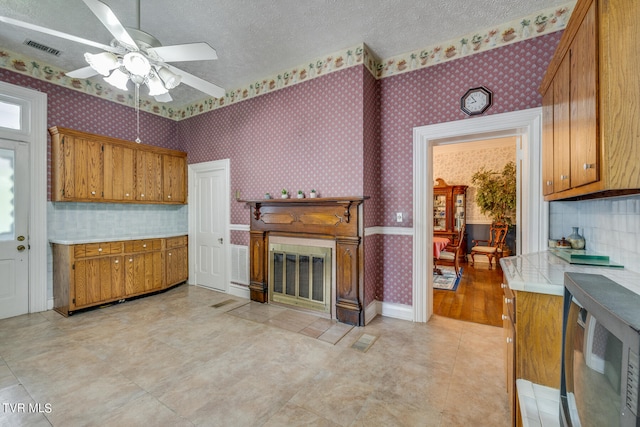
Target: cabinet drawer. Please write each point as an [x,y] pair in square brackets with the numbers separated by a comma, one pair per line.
[98,249]
[174,242]
[143,245]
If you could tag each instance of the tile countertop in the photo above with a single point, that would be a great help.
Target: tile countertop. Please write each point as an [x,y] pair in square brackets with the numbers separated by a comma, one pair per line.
[80,241]
[543,272]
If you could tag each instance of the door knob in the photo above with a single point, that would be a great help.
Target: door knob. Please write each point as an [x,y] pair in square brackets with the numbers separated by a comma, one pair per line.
[21,248]
[20,238]
[220,240]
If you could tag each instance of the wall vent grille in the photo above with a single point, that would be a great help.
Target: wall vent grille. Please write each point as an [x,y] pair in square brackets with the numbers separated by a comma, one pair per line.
[42,47]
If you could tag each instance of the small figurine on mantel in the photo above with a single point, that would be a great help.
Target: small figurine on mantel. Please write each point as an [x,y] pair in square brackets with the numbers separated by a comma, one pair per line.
[300,194]
[285,193]
[313,194]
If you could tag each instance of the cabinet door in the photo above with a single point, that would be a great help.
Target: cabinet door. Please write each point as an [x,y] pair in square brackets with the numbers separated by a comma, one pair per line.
[98,280]
[584,138]
[561,127]
[134,274]
[119,170]
[547,142]
[148,176]
[153,271]
[177,265]
[174,178]
[82,169]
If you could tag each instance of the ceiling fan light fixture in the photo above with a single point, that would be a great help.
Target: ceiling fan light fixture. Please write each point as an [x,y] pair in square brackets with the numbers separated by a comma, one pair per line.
[136,64]
[103,62]
[156,88]
[118,79]
[169,78]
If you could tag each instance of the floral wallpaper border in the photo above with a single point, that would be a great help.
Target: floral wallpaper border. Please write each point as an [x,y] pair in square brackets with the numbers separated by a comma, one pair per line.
[537,24]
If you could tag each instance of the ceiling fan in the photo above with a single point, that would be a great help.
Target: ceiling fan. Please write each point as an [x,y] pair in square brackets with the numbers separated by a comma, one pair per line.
[135,55]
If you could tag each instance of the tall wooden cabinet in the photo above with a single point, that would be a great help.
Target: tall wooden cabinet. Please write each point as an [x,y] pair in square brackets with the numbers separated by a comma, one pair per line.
[94,168]
[449,209]
[591,135]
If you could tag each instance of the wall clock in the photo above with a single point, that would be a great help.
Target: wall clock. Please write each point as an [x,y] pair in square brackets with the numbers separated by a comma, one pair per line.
[476,101]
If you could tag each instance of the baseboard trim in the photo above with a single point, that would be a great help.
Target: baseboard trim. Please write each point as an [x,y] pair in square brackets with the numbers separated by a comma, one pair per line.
[396,311]
[370,312]
[239,291]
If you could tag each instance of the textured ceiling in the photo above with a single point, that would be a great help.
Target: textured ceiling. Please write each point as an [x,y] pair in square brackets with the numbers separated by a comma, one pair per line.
[255,39]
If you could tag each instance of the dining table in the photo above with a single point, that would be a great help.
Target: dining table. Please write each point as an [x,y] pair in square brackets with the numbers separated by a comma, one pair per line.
[439,243]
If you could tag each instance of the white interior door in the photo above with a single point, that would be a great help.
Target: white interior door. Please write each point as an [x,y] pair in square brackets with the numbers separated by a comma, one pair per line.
[211,233]
[14,237]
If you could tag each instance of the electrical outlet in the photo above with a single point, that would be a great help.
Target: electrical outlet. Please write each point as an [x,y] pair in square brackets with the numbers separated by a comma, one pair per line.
[399,217]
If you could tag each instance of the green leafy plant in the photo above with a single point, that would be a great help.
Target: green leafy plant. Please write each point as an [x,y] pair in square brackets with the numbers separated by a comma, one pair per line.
[496,193]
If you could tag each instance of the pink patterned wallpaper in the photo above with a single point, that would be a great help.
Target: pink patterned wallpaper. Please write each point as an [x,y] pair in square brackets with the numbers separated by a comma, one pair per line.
[307,136]
[75,110]
[432,95]
[342,134]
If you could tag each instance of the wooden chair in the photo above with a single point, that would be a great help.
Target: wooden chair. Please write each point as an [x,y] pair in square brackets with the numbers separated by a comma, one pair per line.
[453,252]
[492,247]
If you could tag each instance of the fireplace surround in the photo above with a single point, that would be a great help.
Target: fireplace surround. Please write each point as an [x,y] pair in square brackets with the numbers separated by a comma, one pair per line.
[338,219]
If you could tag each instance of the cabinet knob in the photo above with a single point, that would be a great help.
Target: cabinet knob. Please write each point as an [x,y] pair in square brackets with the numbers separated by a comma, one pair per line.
[117,261]
[504,317]
[563,177]
[130,259]
[142,195]
[169,196]
[127,195]
[144,245]
[549,182]
[588,166]
[503,285]
[509,340]
[99,249]
[508,300]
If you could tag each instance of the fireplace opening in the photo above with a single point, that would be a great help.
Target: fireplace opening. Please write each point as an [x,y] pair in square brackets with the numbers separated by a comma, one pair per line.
[301,276]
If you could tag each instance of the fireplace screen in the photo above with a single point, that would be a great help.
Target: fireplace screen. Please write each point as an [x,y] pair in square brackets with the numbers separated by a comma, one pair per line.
[300,275]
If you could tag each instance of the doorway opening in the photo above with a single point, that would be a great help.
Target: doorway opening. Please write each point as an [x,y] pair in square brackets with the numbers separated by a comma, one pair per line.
[532,211]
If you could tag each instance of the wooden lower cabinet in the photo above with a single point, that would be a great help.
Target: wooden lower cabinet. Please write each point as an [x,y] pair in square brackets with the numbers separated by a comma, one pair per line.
[88,275]
[533,330]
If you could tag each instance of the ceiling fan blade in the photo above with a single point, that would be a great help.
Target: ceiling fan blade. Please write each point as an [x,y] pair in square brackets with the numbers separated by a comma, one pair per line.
[55,33]
[197,83]
[111,22]
[163,98]
[185,52]
[82,73]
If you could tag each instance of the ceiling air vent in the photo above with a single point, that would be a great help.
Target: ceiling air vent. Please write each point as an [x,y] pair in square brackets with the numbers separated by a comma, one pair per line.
[42,47]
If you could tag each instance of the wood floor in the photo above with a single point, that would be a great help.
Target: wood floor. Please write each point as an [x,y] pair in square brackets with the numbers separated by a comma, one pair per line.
[478,298]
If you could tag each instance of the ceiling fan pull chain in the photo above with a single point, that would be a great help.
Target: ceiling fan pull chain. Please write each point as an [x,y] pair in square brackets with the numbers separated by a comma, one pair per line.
[137,113]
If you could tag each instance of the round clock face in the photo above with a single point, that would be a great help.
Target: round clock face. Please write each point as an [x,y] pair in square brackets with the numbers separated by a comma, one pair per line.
[476,101]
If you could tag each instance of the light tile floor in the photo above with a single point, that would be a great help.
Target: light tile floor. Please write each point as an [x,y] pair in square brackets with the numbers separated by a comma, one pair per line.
[174,360]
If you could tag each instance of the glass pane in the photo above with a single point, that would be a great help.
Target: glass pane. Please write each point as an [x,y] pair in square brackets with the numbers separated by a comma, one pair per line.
[291,275]
[303,281]
[318,279]
[10,115]
[7,202]
[277,272]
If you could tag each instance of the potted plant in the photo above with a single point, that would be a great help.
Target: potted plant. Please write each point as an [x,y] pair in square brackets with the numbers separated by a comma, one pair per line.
[285,194]
[313,194]
[496,193]
[300,194]
[267,195]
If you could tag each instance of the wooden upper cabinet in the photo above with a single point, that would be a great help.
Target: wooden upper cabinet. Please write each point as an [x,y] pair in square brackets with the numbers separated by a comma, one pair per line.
[175,181]
[119,171]
[590,95]
[79,161]
[87,167]
[148,176]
